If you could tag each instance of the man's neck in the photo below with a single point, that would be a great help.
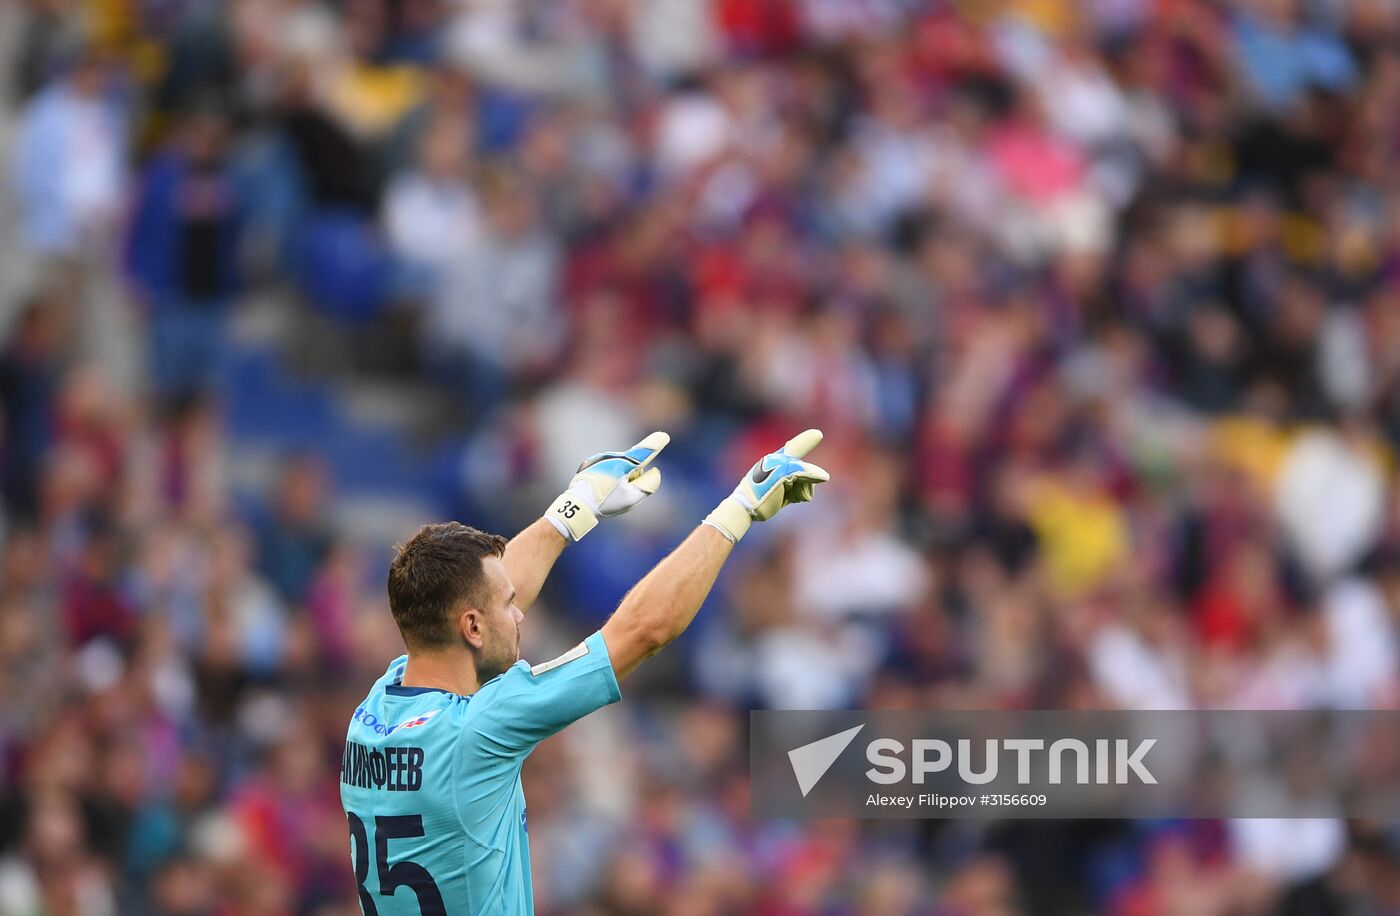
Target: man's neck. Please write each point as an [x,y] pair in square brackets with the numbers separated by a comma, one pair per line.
[450,671]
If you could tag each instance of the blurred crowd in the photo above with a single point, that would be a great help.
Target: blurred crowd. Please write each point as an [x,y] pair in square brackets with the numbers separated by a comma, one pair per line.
[1098,304]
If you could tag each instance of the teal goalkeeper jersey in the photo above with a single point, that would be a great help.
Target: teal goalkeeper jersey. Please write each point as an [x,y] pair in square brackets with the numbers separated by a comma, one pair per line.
[430,783]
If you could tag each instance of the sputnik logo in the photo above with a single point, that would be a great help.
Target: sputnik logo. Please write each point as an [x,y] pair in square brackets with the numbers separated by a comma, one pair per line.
[811,761]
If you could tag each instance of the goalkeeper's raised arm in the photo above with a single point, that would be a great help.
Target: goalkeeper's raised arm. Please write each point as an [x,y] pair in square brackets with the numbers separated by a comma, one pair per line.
[665,601]
[430,777]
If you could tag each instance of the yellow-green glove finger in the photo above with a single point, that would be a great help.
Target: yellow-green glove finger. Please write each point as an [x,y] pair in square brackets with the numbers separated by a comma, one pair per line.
[645,452]
[649,481]
[802,443]
[799,489]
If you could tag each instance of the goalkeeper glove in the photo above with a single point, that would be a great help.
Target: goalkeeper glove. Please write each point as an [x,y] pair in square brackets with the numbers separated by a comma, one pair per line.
[607,484]
[777,480]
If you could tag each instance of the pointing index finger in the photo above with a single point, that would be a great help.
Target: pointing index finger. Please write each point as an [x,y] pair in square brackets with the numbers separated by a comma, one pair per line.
[802,443]
[645,452]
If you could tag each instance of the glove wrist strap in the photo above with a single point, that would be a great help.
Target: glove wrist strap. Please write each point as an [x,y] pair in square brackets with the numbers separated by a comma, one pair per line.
[571,516]
[731,518]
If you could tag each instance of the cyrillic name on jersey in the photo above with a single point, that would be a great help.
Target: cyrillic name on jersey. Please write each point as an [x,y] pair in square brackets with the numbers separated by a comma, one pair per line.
[393,769]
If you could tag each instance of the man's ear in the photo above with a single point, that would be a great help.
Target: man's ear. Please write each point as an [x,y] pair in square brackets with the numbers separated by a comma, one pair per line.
[470,625]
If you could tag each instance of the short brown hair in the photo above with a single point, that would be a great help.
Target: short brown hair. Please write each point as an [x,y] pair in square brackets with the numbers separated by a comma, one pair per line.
[432,574]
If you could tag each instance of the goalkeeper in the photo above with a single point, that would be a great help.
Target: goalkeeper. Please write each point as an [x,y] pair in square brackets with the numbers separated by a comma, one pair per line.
[430,776]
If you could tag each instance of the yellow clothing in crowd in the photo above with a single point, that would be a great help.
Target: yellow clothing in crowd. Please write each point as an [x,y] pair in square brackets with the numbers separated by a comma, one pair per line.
[1083,535]
[370,100]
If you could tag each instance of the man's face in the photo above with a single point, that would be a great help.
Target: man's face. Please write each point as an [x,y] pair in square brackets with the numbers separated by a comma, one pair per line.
[500,623]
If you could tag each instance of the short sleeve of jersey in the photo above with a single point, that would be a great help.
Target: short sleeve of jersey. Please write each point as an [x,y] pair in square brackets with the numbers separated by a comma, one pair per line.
[525,705]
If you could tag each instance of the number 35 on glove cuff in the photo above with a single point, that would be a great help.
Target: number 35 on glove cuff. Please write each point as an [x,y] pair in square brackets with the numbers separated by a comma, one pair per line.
[571,516]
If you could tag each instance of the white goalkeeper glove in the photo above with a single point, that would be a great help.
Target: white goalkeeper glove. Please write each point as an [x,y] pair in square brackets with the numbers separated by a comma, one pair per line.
[778,479]
[607,484]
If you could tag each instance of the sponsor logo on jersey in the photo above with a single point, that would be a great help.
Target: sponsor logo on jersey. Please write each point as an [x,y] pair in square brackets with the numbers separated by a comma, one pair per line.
[372,722]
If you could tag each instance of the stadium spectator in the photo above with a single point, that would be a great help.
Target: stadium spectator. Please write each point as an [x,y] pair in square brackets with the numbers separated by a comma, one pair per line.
[184,253]
[69,159]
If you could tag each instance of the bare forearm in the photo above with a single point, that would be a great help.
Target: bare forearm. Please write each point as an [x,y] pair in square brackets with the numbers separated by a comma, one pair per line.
[665,601]
[529,557]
